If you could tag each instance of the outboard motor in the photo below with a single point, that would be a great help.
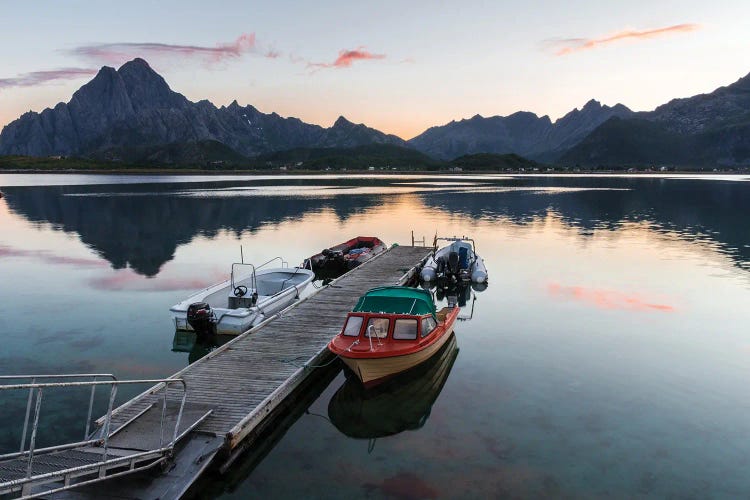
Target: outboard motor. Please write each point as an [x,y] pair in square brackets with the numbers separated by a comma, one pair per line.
[453,263]
[440,267]
[200,317]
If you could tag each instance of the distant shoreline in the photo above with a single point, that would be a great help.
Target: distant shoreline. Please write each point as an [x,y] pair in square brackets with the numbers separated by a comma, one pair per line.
[384,173]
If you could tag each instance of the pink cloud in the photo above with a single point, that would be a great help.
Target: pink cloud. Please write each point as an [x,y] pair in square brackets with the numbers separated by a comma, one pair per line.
[41,77]
[45,256]
[570,45]
[118,53]
[127,280]
[607,299]
[347,57]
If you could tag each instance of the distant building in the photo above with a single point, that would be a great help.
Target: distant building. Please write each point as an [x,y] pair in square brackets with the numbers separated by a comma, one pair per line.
[455,169]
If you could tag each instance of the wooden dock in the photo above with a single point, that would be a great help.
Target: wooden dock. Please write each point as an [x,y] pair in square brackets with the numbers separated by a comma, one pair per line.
[244,382]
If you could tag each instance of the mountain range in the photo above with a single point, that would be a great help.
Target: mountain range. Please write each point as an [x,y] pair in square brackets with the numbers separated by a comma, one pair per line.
[132,112]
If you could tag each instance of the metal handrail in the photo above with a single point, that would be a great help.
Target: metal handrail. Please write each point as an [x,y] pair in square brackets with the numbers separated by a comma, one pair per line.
[254,281]
[283,262]
[463,238]
[231,274]
[105,434]
[34,378]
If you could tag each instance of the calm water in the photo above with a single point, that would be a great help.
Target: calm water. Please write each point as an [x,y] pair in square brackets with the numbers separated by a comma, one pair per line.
[610,355]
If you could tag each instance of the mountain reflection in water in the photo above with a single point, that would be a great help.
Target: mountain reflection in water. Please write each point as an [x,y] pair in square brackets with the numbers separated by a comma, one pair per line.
[141,226]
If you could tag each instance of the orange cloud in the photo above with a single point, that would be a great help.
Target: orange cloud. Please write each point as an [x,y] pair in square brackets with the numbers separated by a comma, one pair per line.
[570,45]
[346,58]
[607,299]
[118,53]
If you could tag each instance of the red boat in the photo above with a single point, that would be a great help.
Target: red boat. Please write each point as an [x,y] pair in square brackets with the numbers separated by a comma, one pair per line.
[346,256]
[391,330]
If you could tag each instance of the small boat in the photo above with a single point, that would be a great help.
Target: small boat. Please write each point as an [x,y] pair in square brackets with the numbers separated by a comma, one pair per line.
[403,403]
[234,306]
[345,256]
[390,330]
[457,262]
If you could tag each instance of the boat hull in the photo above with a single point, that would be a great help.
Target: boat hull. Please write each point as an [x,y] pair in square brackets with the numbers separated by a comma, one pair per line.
[346,256]
[373,371]
[402,403]
[237,320]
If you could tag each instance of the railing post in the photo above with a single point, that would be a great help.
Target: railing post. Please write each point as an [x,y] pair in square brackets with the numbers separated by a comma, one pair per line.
[32,444]
[179,414]
[91,407]
[163,416]
[107,421]
[26,420]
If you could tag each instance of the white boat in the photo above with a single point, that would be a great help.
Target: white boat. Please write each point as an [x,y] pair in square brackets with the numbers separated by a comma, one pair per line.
[455,262]
[234,306]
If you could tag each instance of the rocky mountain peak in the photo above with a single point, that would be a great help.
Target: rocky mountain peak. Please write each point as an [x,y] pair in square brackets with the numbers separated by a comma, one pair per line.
[342,122]
[741,84]
[146,88]
[592,105]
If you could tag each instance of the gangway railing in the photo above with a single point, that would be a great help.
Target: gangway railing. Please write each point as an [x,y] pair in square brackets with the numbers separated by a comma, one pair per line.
[34,378]
[17,470]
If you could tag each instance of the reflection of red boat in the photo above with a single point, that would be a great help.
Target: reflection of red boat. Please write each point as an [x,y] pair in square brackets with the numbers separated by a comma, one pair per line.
[391,330]
[347,255]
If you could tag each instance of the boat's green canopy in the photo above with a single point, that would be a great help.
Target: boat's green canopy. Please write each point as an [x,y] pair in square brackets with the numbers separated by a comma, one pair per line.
[396,300]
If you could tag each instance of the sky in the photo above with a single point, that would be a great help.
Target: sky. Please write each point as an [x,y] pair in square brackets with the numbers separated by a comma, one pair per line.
[400,67]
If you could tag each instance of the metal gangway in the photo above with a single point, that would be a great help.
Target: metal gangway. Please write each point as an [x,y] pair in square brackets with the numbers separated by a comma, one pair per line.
[144,441]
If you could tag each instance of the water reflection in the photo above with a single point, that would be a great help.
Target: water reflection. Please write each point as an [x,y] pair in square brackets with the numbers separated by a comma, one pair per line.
[401,404]
[197,348]
[694,210]
[608,356]
[143,232]
[141,226]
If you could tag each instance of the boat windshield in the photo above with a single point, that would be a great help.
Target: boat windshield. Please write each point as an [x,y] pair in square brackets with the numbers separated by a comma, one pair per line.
[377,327]
[353,324]
[405,329]
[428,325]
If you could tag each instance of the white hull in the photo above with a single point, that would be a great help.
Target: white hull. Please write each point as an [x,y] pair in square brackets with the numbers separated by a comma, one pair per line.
[277,289]
[371,370]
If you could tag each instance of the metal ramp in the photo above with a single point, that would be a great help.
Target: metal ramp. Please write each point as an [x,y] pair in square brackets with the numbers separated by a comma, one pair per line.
[144,441]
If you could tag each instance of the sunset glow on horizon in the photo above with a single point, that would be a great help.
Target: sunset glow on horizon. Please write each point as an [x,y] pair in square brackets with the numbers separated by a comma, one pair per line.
[398,68]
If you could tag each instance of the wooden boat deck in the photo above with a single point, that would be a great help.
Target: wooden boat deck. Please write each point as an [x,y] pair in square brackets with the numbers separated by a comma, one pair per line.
[244,379]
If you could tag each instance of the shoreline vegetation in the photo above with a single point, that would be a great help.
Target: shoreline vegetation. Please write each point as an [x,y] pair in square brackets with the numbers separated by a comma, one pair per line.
[299,162]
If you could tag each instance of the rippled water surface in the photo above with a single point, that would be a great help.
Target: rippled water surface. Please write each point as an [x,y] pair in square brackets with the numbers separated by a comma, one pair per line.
[610,355]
